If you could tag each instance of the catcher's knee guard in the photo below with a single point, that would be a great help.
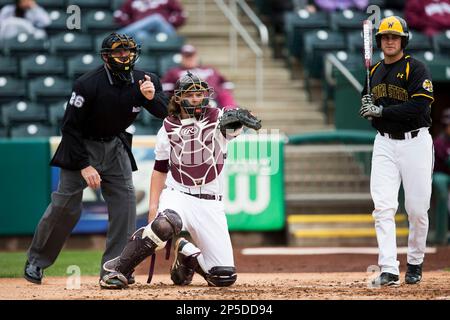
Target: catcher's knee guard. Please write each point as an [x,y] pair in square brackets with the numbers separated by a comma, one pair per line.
[221,276]
[185,262]
[145,242]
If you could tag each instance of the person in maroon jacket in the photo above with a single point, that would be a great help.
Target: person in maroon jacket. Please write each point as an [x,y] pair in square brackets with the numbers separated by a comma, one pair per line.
[144,18]
[442,146]
[428,16]
[190,61]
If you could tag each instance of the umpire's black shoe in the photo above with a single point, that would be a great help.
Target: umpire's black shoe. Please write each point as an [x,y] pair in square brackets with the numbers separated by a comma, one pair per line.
[413,273]
[33,273]
[387,279]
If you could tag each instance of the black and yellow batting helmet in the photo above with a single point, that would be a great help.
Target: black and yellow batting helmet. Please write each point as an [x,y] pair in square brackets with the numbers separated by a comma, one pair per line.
[393,25]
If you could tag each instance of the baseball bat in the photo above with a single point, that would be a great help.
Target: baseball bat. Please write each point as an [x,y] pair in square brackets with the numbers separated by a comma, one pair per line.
[368,51]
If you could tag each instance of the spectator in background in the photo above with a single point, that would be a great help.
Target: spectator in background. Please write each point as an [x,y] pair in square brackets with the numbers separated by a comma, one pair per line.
[25,16]
[442,146]
[191,61]
[144,18]
[334,5]
[428,16]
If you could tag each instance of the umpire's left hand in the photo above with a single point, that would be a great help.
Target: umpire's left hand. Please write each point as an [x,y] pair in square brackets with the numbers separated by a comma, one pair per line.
[147,88]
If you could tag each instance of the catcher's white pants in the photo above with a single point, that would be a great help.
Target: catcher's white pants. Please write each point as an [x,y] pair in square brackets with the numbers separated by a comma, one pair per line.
[206,223]
[394,161]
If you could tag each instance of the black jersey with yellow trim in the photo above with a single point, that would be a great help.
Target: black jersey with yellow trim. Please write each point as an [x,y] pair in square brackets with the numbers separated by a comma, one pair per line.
[405,90]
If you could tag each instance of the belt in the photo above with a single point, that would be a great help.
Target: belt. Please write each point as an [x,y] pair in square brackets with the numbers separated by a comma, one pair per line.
[101,139]
[401,136]
[205,196]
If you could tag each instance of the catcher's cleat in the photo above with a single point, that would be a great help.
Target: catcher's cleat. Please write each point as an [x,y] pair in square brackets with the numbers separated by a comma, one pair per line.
[387,279]
[113,280]
[413,274]
[185,262]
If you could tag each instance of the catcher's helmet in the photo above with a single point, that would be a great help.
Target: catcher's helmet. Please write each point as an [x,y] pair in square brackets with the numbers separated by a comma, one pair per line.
[191,83]
[393,25]
[114,43]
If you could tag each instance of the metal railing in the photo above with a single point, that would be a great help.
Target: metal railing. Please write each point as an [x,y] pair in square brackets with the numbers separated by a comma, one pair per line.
[231,13]
[330,61]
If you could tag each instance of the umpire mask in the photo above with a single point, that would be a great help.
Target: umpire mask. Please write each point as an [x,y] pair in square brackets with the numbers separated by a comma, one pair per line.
[120,52]
[192,83]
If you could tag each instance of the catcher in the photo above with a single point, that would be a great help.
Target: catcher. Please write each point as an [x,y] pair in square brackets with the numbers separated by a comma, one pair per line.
[186,190]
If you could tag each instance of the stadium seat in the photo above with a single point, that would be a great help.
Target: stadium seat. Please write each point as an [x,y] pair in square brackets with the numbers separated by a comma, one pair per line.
[347,20]
[9,66]
[70,43]
[40,65]
[98,40]
[11,89]
[24,44]
[169,61]
[162,44]
[355,41]
[148,63]
[97,4]
[56,112]
[418,42]
[99,21]
[22,112]
[3,132]
[82,63]
[49,89]
[296,23]
[32,130]
[53,4]
[59,22]
[390,12]
[116,4]
[441,42]
[316,44]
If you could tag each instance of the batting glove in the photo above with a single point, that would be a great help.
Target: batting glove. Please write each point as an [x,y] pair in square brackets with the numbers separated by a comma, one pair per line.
[367,99]
[369,111]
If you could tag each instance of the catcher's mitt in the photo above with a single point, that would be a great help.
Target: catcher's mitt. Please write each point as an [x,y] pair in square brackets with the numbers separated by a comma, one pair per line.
[236,118]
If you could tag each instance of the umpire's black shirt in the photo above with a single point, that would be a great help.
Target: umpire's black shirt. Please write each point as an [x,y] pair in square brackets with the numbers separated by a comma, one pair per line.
[405,91]
[102,106]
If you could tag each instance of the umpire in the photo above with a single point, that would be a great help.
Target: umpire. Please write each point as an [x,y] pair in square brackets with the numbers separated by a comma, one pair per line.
[95,151]
[399,106]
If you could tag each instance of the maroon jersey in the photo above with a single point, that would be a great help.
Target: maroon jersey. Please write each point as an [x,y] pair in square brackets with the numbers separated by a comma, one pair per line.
[197,148]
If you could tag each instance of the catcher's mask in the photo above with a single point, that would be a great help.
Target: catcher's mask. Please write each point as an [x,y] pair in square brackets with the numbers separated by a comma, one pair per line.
[114,52]
[192,83]
[393,25]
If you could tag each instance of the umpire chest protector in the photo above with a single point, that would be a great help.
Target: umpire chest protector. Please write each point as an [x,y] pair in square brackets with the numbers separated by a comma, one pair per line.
[197,148]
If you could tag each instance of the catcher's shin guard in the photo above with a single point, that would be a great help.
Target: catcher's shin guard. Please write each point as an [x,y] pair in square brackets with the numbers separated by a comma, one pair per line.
[145,242]
[185,262]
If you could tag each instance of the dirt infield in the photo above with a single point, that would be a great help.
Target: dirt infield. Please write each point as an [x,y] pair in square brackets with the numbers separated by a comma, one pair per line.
[259,278]
[260,286]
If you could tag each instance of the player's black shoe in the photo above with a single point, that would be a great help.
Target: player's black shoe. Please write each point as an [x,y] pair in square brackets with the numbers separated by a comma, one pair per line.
[33,273]
[387,279]
[413,273]
[185,262]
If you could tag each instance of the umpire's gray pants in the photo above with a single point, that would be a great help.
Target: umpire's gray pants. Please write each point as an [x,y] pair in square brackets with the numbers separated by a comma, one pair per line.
[111,160]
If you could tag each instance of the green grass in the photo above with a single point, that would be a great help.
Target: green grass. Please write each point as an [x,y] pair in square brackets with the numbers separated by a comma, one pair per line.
[12,263]
[447,269]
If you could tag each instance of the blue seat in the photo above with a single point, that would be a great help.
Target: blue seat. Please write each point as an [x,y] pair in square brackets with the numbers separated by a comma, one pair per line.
[32,130]
[40,65]
[299,22]
[56,112]
[441,42]
[49,89]
[148,63]
[347,20]
[9,66]
[23,112]
[82,63]
[11,89]
[89,4]
[70,43]
[418,42]
[59,22]
[162,44]
[169,61]
[23,45]
[99,21]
